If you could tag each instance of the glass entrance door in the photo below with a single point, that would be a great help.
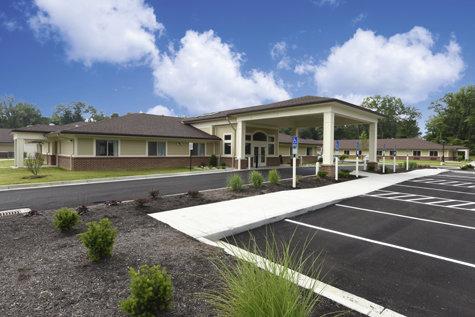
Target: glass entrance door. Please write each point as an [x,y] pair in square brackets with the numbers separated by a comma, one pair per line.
[260,155]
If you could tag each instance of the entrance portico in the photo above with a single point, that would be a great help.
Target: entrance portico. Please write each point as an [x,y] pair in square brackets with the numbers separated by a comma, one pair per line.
[295,113]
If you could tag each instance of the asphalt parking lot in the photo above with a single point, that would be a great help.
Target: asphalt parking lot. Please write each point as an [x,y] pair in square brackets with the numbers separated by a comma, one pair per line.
[409,247]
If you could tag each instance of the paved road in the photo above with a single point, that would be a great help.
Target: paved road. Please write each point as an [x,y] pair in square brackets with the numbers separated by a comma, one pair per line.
[407,248]
[72,196]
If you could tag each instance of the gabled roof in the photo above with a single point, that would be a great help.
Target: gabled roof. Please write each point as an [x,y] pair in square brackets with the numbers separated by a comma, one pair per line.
[5,136]
[295,102]
[133,124]
[285,138]
[400,144]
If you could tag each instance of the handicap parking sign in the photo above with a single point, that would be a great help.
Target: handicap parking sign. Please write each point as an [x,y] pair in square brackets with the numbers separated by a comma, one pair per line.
[295,140]
[337,145]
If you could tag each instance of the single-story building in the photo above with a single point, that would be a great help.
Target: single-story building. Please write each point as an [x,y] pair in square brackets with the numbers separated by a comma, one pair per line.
[6,143]
[239,137]
[415,148]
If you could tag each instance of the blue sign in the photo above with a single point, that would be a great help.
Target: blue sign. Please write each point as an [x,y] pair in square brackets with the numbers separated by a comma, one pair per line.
[295,140]
[337,145]
[357,145]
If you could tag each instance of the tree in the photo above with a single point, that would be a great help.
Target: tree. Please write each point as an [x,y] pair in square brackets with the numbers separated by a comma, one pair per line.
[400,120]
[19,114]
[454,118]
[75,112]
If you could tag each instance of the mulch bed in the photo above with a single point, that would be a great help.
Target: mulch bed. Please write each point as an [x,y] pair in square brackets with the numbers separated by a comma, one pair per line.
[47,273]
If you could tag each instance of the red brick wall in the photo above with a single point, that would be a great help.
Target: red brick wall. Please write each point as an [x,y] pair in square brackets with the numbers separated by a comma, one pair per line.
[65,162]
[108,163]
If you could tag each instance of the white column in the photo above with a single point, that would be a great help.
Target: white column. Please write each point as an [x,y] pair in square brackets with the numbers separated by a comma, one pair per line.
[328,137]
[373,141]
[240,142]
[467,154]
[19,152]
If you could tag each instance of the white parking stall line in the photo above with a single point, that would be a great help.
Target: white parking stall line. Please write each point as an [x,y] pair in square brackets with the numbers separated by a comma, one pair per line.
[419,198]
[401,196]
[436,189]
[463,204]
[457,177]
[390,245]
[444,183]
[407,217]
[463,184]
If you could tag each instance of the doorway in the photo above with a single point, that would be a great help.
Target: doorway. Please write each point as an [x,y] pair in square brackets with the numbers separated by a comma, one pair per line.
[260,155]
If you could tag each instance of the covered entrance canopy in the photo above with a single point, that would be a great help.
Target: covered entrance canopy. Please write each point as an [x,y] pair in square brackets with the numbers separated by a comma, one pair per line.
[308,111]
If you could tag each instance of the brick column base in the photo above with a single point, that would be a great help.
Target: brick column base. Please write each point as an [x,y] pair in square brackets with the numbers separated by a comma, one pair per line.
[329,169]
[372,166]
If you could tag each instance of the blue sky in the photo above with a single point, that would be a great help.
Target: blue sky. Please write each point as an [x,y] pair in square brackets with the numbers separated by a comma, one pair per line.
[190,57]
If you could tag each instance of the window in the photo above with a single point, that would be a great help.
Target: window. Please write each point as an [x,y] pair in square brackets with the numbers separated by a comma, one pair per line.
[309,151]
[270,139]
[270,149]
[248,137]
[433,153]
[198,149]
[346,152]
[107,147]
[248,148]
[227,144]
[416,153]
[157,148]
[379,153]
[259,136]
[392,152]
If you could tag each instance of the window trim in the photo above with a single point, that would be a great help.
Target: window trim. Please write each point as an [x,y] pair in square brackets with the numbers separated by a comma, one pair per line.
[230,142]
[107,147]
[414,153]
[158,152]
[197,144]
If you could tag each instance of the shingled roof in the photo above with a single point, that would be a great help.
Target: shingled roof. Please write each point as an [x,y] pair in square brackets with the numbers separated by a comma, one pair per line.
[133,124]
[399,144]
[5,136]
[285,138]
[295,102]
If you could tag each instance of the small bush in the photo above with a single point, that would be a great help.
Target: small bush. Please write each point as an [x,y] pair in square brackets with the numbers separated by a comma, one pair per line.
[343,157]
[235,182]
[274,177]
[194,193]
[322,174]
[320,159]
[371,167]
[344,174]
[65,219]
[154,194]
[413,165]
[256,179]
[99,239]
[467,167]
[34,163]
[141,202]
[223,165]
[151,291]
[213,161]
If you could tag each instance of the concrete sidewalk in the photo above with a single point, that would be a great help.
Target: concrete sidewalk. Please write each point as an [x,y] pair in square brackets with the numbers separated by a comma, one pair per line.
[217,220]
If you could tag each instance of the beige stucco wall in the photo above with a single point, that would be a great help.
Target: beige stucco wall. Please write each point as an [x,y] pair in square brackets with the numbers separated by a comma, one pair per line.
[6,147]
[133,147]
[175,148]
[66,147]
[220,131]
[211,148]
[85,146]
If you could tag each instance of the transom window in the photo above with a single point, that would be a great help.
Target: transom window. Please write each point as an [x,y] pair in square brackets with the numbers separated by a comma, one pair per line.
[107,147]
[198,149]
[416,153]
[259,136]
[156,148]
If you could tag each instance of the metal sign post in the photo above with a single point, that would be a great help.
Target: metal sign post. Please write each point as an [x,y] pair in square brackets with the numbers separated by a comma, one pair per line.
[384,159]
[336,168]
[317,168]
[394,161]
[295,148]
[190,149]
[407,162]
[357,159]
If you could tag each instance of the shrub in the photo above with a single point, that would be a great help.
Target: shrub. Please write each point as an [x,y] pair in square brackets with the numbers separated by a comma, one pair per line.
[194,193]
[256,179]
[34,163]
[268,290]
[322,174]
[213,161]
[320,159]
[235,182]
[413,165]
[223,165]
[154,194]
[343,157]
[141,202]
[99,239]
[151,291]
[274,177]
[467,167]
[344,174]
[65,219]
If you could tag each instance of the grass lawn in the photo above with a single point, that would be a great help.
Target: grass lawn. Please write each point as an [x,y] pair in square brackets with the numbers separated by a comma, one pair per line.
[6,163]
[10,176]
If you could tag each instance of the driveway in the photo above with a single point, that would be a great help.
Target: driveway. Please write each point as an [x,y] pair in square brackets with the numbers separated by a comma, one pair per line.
[75,195]
[408,247]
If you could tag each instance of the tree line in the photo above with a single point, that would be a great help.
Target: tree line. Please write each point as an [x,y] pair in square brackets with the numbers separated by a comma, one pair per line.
[14,114]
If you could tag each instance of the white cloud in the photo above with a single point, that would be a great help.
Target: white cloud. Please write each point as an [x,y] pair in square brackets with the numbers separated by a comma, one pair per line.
[403,65]
[359,18]
[112,31]
[161,110]
[331,3]
[279,52]
[204,75]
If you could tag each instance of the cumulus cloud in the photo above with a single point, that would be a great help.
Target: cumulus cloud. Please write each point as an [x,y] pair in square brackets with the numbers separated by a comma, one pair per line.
[204,74]
[278,53]
[404,65]
[359,18]
[112,31]
[161,110]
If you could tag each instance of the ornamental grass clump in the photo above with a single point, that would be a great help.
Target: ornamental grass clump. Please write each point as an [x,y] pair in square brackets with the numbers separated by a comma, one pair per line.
[267,289]
[235,182]
[65,219]
[274,177]
[151,291]
[256,179]
[99,239]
